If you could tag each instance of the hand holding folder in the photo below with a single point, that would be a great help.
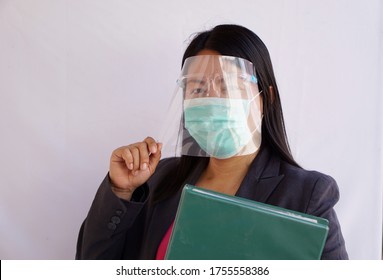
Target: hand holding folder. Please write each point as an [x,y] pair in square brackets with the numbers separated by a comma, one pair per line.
[211,225]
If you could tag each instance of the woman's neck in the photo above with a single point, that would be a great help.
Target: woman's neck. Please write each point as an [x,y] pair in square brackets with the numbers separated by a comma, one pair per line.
[225,175]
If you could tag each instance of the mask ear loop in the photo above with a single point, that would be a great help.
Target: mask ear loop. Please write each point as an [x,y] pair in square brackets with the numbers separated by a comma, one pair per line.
[255,132]
[255,96]
[251,100]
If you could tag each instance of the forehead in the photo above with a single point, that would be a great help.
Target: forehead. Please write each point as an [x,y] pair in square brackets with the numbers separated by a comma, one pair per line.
[215,64]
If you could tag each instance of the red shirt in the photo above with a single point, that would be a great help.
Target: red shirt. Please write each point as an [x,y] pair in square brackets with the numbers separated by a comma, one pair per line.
[161,251]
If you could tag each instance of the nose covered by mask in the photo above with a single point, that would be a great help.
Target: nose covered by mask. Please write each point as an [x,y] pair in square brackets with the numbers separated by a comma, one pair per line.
[219,125]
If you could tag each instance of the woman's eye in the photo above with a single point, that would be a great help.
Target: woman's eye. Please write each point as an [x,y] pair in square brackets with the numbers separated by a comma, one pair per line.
[197,91]
[223,91]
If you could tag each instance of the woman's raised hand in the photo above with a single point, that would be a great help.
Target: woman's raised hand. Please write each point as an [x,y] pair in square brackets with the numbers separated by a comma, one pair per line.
[132,165]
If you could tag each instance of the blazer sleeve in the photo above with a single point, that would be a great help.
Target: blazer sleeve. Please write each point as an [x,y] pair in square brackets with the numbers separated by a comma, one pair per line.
[111,224]
[324,196]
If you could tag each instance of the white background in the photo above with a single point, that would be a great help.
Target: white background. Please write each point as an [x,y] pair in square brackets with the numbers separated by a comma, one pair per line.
[78,78]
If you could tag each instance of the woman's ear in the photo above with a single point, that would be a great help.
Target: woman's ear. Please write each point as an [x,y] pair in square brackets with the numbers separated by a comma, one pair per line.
[272,95]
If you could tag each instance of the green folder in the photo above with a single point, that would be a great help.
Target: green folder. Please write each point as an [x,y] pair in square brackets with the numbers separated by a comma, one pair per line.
[214,226]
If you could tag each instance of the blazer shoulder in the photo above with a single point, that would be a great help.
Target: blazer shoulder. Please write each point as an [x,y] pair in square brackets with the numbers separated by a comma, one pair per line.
[307,176]
[308,185]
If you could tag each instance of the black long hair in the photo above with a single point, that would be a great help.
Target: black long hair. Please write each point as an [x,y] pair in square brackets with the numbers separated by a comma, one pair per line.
[238,41]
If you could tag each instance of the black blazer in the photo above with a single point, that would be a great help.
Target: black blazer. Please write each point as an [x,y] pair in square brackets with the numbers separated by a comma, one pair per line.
[118,229]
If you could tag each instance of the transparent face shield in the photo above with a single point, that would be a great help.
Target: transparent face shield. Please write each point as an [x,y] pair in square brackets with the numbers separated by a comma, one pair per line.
[216,109]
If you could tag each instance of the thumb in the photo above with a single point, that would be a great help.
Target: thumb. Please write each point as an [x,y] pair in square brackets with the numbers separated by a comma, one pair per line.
[154,158]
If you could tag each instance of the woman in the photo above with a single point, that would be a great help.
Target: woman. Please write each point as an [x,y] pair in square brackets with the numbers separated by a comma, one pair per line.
[227,71]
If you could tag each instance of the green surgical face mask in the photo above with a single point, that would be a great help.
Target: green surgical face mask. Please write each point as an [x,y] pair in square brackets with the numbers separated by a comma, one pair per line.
[218,125]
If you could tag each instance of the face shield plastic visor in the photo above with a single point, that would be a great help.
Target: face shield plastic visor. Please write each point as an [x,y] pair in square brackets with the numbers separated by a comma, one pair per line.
[216,109]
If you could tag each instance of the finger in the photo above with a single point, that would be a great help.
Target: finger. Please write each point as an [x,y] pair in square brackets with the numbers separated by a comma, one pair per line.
[155,157]
[152,144]
[144,155]
[118,155]
[136,157]
[128,158]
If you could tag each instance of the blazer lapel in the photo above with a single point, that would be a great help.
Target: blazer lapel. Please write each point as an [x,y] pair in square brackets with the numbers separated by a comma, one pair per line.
[262,178]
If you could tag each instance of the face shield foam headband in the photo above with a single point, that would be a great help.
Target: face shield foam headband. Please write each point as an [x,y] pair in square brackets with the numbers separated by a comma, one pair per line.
[217,106]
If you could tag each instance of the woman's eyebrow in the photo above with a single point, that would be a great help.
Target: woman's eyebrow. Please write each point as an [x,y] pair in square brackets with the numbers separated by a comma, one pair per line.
[195,80]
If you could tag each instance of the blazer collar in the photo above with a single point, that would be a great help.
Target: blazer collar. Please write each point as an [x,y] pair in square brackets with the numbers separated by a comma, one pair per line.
[262,178]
